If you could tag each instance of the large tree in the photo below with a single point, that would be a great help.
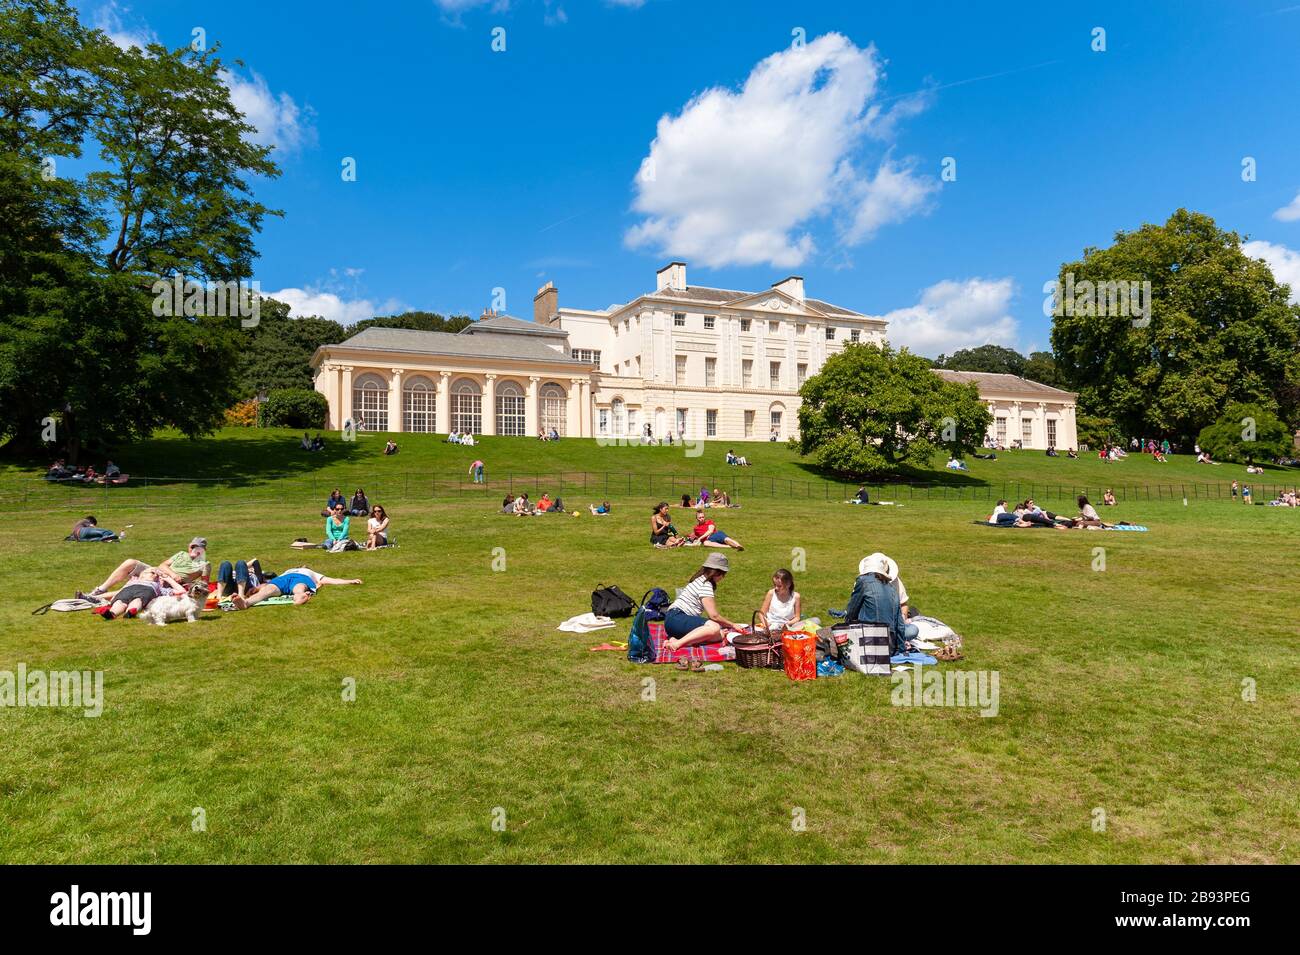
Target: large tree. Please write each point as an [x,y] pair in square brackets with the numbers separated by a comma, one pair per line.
[80,343]
[871,410]
[996,359]
[1219,330]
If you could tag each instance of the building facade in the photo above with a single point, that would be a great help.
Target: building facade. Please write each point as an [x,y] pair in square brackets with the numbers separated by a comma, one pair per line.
[694,361]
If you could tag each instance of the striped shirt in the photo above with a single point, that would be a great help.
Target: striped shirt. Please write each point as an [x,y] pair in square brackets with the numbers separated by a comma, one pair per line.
[690,599]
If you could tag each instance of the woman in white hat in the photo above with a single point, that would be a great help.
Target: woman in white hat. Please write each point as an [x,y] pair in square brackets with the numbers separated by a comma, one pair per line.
[891,573]
[875,601]
[693,617]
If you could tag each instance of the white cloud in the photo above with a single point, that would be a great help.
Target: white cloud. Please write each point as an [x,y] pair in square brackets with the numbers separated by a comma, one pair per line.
[279,121]
[1284,262]
[1289,212]
[956,314]
[109,18]
[314,301]
[740,177]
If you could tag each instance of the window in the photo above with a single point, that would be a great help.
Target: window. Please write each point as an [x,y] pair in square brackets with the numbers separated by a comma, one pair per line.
[681,420]
[680,370]
[776,423]
[466,407]
[854,335]
[830,333]
[587,356]
[747,373]
[773,327]
[603,423]
[1051,432]
[711,423]
[553,408]
[801,373]
[618,414]
[370,403]
[801,329]
[419,400]
[1027,430]
[710,373]
[1002,431]
[774,374]
[679,319]
[511,415]
[631,421]
[744,324]
[709,320]
[749,424]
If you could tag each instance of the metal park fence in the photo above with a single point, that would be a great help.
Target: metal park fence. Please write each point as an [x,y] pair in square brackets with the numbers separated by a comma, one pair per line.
[577,487]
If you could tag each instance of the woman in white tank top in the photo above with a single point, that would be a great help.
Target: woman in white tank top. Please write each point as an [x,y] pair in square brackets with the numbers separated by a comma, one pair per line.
[782,605]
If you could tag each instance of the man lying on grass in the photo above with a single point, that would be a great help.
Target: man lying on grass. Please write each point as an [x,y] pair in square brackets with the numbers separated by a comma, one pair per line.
[184,567]
[300,583]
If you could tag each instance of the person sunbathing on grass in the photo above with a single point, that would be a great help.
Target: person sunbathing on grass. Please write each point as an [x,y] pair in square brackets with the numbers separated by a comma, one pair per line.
[184,567]
[599,510]
[706,532]
[140,591]
[300,583]
[693,617]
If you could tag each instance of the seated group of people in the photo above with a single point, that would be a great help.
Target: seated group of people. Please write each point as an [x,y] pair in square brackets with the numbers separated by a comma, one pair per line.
[707,498]
[1286,499]
[391,447]
[737,460]
[309,443]
[133,584]
[520,506]
[956,464]
[548,435]
[663,533]
[878,596]
[338,522]
[86,474]
[1029,514]
[457,437]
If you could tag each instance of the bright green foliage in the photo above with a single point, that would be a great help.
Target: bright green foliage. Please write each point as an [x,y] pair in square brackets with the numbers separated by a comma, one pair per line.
[1247,434]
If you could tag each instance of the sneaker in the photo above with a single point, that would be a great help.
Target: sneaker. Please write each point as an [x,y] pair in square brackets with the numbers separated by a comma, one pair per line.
[106,615]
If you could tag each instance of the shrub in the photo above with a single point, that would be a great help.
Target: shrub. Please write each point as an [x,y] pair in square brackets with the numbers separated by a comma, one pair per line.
[242,415]
[294,408]
[1246,434]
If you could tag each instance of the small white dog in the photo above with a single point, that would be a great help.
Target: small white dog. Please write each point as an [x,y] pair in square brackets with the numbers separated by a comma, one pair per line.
[170,609]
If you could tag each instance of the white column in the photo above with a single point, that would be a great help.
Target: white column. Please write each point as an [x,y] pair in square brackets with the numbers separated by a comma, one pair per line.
[345,396]
[531,416]
[490,405]
[584,408]
[442,410]
[572,412]
[395,401]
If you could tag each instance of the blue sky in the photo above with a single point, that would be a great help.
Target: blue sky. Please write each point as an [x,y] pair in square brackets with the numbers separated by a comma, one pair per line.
[752,140]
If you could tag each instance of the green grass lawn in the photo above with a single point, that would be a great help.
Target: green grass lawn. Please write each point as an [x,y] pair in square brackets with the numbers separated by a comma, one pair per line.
[1120,690]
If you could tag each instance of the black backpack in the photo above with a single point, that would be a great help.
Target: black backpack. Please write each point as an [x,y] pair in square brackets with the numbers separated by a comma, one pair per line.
[611,602]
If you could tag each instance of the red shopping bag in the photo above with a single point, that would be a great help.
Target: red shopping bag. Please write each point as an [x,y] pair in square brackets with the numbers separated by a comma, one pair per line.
[800,655]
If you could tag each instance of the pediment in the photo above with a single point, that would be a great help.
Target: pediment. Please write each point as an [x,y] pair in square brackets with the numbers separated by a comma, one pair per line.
[775,301]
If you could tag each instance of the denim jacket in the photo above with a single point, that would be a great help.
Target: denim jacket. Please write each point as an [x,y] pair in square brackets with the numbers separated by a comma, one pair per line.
[874,601]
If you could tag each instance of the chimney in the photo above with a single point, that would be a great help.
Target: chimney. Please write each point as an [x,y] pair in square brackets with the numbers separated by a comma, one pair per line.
[671,276]
[487,313]
[546,303]
[793,286]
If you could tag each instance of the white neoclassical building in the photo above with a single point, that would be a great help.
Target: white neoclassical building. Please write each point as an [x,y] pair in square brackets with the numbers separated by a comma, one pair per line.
[1037,415]
[692,360]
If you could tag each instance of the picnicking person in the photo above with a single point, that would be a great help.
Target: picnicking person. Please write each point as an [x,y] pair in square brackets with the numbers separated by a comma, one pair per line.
[706,533]
[240,577]
[875,600]
[862,497]
[88,529]
[337,527]
[1108,499]
[391,447]
[300,583]
[601,509]
[359,507]
[955,464]
[335,499]
[185,567]
[782,605]
[662,531]
[377,528]
[694,617]
[141,590]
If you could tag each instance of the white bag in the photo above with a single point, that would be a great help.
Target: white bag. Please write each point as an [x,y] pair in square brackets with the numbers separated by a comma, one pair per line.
[867,650]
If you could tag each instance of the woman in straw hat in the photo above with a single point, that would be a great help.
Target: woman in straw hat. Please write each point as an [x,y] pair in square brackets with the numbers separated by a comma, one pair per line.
[693,617]
[875,601]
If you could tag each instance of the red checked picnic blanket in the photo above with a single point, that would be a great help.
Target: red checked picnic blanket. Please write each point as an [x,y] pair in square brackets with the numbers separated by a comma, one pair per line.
[707,652]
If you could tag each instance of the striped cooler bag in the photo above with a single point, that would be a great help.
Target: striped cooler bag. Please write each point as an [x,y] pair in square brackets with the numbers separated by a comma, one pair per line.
[867,648]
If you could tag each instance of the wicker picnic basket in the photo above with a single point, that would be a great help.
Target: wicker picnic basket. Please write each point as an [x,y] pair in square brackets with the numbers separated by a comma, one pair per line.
[760,648]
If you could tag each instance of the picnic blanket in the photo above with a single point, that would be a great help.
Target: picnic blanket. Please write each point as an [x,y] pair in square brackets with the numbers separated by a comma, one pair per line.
[708,652]
[280,601]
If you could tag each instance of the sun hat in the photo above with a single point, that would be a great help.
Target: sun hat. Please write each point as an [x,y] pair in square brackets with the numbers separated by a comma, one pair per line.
[718,562]
[200,542]
[878,564]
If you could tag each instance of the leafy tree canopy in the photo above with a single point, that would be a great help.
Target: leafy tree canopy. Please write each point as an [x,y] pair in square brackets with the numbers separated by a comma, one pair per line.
[1247,434]
[871,410]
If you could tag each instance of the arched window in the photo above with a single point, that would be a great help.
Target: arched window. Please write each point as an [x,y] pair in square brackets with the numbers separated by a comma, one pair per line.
[511,415]
[466,407]
[419,401]
[618,411]
[370,403]
[553,408]
[776,416]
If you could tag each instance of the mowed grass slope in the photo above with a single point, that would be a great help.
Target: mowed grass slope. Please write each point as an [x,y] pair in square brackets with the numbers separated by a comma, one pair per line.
[1120,690]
